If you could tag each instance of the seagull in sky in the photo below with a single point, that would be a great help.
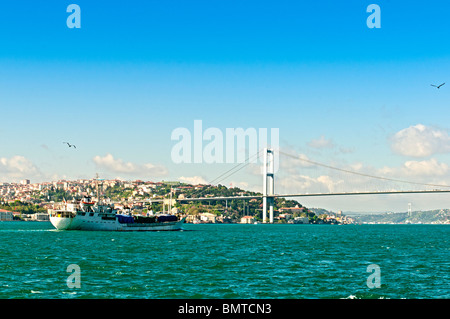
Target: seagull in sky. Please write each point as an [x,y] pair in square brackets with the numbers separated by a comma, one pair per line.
[437,86]
[70,145]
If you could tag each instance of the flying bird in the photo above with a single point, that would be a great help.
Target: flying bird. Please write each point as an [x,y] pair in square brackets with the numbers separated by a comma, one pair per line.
[437,86]
[70,145]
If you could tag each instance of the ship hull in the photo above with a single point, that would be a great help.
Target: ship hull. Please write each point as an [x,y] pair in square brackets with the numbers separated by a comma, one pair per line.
[80,223]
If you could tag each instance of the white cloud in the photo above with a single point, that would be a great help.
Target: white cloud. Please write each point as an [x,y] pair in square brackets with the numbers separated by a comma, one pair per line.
[242,185]
[193,180]
[111,164]
[18,167]
[420,141]
[425,169]
[303,184]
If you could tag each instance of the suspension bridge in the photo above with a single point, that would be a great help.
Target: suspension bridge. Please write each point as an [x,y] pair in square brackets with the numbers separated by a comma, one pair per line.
[268,194]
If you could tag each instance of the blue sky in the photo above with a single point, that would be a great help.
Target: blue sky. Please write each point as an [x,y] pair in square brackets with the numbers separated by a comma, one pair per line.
[339,92]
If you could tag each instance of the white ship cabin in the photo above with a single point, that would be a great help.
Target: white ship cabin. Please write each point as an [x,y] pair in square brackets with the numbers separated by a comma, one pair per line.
[87,208]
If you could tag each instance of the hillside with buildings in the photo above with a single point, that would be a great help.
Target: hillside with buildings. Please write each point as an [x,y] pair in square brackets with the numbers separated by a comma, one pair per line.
[438,216]
[25,199]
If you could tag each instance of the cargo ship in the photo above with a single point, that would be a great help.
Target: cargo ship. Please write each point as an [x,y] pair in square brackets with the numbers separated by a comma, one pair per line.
[88,215]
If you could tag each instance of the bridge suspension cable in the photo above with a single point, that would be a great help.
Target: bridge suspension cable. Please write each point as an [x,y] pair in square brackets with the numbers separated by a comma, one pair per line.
[236,168]
[360,174]
[231,171]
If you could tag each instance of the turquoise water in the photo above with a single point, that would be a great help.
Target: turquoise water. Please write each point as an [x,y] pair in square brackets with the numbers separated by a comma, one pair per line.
[226,261]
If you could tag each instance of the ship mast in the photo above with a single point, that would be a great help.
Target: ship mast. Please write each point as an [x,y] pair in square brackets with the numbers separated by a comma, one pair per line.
[170,201]
[98,193]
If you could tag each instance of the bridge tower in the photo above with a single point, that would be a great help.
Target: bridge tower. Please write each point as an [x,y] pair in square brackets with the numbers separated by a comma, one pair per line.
[409,210]
[268,184]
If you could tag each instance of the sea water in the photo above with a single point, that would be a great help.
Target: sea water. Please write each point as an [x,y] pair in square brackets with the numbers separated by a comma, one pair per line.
[226,261]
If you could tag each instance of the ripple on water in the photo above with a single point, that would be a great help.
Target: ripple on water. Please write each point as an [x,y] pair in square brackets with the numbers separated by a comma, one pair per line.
[227,261]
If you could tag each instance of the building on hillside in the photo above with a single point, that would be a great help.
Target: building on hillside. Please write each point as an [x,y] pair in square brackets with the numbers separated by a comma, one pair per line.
[40,217]
[300,220]
[285,216]
[207,218]
[6,215]
[292,210]
[247,220]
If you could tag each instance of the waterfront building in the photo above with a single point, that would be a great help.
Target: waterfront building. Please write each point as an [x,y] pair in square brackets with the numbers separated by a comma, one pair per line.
[40,217]
[247,220]
[207,217]
[301,220]
[6,215]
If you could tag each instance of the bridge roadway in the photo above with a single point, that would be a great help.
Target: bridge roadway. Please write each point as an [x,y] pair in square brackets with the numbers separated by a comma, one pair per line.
[307,195]
[159,200]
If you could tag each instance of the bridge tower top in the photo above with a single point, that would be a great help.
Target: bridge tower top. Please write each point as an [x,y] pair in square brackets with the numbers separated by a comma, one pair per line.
[268,183]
